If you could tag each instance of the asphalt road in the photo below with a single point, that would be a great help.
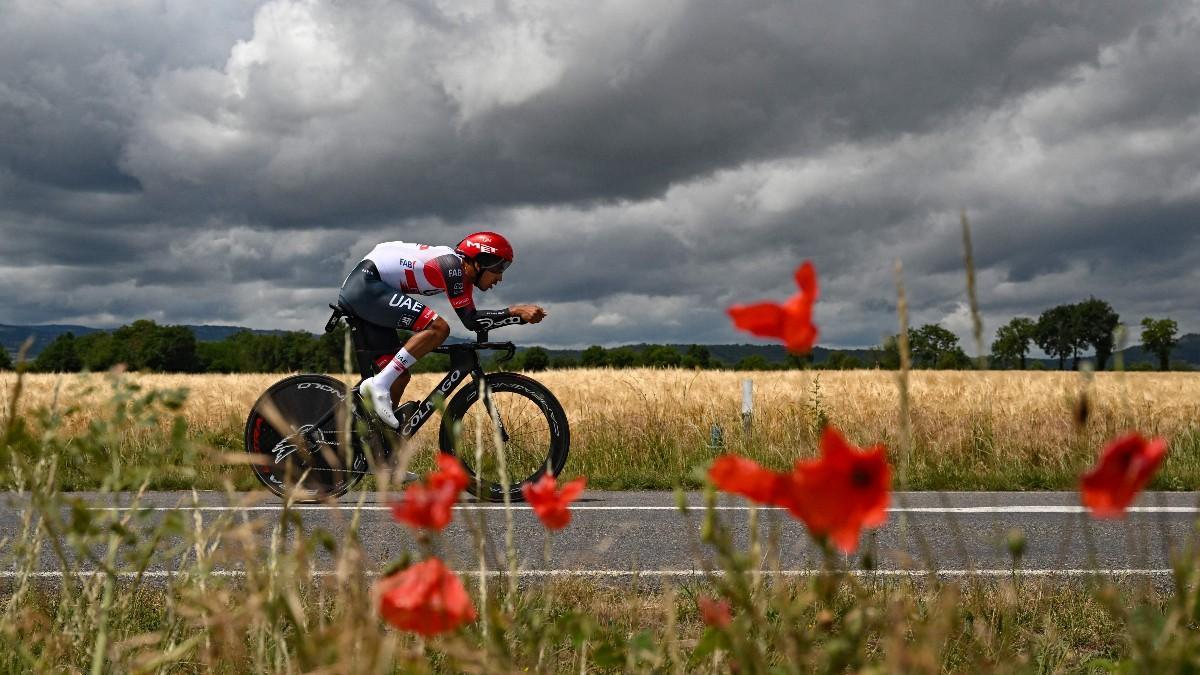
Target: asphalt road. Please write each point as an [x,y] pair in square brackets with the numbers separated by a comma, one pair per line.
[621,534]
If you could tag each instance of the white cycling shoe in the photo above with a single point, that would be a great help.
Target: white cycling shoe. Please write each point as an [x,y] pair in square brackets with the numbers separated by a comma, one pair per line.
[380,400]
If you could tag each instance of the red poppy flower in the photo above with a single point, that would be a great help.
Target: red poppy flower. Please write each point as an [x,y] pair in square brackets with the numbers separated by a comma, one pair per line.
[549,503]
[449,471]
[1126,465]
[845,490]
[745,477]
[429,505]
[426,598]
[715,612]
[791,321]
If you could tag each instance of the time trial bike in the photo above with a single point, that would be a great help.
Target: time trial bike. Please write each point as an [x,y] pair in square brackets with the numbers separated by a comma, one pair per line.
[311,438]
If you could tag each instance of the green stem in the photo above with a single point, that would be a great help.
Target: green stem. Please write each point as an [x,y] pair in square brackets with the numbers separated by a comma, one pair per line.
[101,645]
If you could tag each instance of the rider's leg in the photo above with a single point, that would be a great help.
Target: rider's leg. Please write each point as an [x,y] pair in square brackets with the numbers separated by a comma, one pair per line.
[379,304]
[421,343]
[388,384]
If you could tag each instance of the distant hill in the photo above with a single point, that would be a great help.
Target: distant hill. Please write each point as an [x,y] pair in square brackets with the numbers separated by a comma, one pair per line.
[12,337]
[1188,350]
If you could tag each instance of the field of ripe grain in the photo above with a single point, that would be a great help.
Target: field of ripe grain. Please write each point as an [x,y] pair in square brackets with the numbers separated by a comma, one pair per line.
[651,428]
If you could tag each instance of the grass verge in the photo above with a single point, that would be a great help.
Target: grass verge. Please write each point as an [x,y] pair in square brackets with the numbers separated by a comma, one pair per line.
[101,614]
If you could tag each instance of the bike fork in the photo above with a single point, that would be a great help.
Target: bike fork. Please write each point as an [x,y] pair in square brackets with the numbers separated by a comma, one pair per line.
[494,412]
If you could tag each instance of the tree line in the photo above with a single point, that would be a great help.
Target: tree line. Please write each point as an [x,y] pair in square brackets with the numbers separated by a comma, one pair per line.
[148,347]
[1067,331]
[1064,332]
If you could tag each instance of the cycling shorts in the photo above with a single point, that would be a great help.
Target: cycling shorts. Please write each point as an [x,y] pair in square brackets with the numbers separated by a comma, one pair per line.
[375,301]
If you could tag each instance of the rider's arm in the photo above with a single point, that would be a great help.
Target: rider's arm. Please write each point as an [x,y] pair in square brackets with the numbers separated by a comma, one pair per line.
[459,293]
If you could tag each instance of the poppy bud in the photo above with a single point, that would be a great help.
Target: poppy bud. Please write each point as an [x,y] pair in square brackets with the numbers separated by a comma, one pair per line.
[681,502]
[1016,544]
[1082,410]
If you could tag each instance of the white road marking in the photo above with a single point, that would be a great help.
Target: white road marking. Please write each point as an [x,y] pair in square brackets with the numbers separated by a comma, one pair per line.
[682,574]
[585,507]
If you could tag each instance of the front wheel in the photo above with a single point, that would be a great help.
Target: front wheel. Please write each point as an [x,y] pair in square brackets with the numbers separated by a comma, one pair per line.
[523,434]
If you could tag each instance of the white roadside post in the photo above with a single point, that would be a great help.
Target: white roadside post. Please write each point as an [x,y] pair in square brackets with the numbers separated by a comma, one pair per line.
[747,404]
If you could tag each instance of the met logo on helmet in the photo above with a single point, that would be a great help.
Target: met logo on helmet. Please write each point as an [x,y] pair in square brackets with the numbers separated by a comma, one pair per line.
[483,248]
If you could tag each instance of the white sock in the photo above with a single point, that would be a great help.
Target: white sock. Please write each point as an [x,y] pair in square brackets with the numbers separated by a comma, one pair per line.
[399,365]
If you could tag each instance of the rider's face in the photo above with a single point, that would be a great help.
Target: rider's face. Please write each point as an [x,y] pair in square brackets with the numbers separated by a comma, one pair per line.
[488,278]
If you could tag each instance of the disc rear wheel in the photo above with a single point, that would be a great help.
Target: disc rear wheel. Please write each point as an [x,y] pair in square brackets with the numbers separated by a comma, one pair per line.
[298,436]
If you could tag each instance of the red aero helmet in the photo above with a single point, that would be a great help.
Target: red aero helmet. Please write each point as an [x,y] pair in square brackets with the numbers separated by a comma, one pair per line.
[488,249]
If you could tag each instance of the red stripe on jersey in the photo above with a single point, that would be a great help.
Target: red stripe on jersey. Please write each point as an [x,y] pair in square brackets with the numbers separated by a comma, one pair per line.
[410,281]
[427,315]
[433,274]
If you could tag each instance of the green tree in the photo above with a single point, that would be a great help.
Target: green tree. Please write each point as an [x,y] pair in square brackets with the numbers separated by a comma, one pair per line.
[1095,320]
[130,342]
[6,362]
[843,361]
[144,345]
[955,359]
[231,355]
[1056,333]
[1158,338]
[754,362]
[536,358]
[623,357]
[440,363]
[329,355]
[593,357]
[1013,340]
[299,350]
[889,353]
[60,356]
[661,356]
[97,350]
[930,344]
[170,349]
[697,357]
[563,363]
[798,361]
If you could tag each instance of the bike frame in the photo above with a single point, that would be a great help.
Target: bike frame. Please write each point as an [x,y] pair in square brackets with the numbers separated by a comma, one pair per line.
[464,361]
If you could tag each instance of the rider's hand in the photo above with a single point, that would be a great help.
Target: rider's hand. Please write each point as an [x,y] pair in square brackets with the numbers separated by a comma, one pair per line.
[528,313]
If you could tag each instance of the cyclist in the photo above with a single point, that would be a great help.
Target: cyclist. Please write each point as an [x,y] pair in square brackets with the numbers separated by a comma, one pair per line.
[382,289]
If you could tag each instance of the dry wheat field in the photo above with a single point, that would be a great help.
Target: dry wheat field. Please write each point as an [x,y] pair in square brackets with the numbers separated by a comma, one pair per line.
[648,428]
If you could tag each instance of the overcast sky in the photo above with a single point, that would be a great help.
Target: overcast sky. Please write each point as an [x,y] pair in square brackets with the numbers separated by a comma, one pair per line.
[652,162]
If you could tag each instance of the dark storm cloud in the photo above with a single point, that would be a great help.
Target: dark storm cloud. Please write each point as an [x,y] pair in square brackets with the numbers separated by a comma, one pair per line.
[653,162]
[75,76]
[327,115]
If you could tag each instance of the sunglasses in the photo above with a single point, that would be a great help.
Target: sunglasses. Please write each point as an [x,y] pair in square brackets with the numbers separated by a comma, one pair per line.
[499,267]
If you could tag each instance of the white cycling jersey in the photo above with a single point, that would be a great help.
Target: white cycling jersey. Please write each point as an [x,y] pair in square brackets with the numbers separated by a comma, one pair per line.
[423,269]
